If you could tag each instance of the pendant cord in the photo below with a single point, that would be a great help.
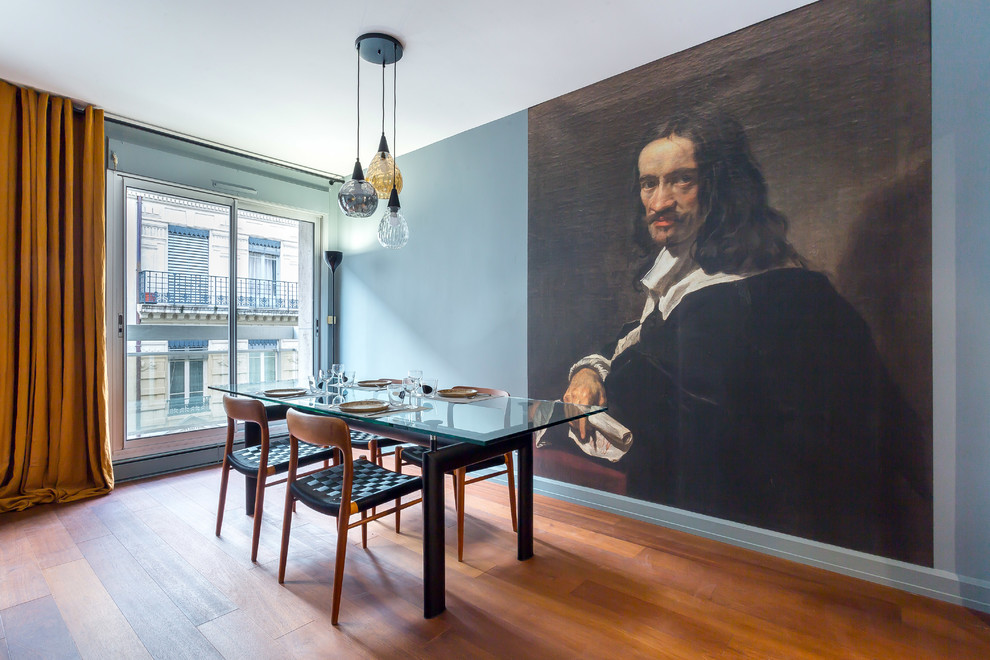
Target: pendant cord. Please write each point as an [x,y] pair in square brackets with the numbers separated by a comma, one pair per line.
[358,49]
[395,149]
[383,96]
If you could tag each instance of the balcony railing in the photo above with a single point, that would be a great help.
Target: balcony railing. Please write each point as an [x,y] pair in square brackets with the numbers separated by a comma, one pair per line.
[158,288]
[188,405]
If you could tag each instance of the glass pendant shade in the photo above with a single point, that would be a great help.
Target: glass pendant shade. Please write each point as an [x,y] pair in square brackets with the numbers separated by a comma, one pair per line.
[357,197]
[380,172]
[393,232]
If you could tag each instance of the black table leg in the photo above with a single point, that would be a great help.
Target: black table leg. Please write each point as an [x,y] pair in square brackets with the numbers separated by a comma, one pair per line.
[525,510]
[252,438]
[434,580]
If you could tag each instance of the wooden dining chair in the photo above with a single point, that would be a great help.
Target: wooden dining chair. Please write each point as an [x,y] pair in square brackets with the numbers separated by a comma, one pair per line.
[351,487]
[373,443]
[413,455]
[267,459]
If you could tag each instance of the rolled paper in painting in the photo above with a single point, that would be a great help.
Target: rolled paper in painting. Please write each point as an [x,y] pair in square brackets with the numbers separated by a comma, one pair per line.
[616,434]
[608,438]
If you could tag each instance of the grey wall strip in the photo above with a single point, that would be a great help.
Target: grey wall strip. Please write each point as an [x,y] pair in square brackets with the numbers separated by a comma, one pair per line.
[929,582]
[149,466]
[216,146]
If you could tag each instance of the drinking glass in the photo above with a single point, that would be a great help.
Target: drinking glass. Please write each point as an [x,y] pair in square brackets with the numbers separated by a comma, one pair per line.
[347,378]
[312,383]
[396,394]
[336,370]
[428,386]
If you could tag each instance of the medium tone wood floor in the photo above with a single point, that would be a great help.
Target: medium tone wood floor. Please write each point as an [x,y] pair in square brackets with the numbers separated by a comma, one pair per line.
[139,573]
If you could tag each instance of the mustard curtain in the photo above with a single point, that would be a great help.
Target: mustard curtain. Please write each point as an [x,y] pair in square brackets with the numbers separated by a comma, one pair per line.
[54,434]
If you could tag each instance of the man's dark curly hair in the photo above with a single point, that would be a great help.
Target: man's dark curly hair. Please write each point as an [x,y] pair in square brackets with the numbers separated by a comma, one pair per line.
[741,233]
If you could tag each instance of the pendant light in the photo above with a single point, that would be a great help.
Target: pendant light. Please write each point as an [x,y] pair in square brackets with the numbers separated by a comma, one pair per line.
[358,198]
[393,231]
[382,172]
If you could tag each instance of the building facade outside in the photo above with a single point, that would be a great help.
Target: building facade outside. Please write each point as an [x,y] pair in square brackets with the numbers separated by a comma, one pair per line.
[179,301]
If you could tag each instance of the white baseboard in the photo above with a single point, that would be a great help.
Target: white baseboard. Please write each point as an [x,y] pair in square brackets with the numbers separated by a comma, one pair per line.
[934,583]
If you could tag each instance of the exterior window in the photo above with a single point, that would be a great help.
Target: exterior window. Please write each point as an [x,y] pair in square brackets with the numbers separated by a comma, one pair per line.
[186,394]
[262,360]
[188,265]
[262,290]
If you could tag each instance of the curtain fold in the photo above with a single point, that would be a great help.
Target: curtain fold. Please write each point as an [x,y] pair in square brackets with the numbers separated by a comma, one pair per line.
[54,432]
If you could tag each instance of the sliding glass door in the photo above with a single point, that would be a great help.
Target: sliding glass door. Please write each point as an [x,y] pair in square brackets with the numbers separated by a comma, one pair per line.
[274,340]
[176,312]
[189,310]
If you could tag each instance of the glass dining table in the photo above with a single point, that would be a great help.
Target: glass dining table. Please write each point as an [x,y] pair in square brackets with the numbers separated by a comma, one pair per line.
[459,432]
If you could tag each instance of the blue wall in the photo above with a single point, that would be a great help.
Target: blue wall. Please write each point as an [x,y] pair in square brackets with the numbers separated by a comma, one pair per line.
[466,202]
[961,199]
[453,301]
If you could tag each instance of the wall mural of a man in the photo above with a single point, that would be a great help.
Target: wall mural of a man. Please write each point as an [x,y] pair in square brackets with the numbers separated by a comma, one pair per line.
[746,386]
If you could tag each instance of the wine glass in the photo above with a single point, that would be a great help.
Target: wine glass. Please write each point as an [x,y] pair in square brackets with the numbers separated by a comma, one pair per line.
[336,370]
[410,385]
[417,377]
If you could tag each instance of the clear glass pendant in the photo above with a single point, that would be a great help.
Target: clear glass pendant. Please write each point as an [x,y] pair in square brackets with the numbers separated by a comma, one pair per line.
[393,232]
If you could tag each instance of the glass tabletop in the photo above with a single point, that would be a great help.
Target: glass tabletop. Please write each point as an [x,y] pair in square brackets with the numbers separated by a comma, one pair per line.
[481,420]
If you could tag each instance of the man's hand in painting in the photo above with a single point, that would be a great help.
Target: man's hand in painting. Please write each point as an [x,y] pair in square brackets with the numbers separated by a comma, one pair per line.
[586,388]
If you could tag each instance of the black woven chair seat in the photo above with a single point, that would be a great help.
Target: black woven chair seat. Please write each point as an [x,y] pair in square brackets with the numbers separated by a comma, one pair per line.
[246,460]
[372,486]
[362,440]
[414,454]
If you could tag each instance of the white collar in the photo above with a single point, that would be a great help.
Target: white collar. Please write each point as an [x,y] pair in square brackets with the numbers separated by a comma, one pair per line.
[666,270]
[671,278]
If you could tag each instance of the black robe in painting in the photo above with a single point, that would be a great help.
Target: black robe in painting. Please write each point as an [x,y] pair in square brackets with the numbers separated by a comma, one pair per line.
[764,402]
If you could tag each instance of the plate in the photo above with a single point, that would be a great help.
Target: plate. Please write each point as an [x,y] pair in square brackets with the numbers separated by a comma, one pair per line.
[367,406]
[379,382]
[285,392]
[458,393]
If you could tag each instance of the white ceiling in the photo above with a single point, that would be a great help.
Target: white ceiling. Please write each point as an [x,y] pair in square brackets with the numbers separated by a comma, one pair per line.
[277,77]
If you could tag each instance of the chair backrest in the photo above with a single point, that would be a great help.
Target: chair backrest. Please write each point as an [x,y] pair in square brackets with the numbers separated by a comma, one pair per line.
[487,390]
[326,432]
[320,430]
[245,410]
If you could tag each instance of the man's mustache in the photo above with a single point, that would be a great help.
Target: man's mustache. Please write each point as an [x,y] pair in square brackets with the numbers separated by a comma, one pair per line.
[663,216]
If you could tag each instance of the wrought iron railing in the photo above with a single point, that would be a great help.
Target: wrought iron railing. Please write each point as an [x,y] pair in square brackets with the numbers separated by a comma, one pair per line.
[158,288]
[188,405]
